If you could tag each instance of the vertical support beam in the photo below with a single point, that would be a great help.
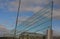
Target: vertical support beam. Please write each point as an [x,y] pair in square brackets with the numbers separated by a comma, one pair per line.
[17,19]
[49,34]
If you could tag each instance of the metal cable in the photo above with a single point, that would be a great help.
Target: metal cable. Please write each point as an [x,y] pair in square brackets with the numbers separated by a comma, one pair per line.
[33,19]
[32,27]
[35,14]
[34,22]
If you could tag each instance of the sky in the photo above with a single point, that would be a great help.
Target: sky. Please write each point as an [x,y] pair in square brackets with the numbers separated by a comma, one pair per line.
[8,11]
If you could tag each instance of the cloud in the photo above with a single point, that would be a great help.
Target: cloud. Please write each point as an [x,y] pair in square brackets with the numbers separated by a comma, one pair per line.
[3,30]
[32,5]
[56,33]
[13,5]
[28,5]
[56,14]
[33,9]
[21,19]
[57,2]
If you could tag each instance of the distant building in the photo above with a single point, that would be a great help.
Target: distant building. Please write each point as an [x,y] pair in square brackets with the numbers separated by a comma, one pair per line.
[28,35]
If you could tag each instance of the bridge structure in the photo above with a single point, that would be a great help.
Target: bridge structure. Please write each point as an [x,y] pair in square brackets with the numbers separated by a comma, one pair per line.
[40,23]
